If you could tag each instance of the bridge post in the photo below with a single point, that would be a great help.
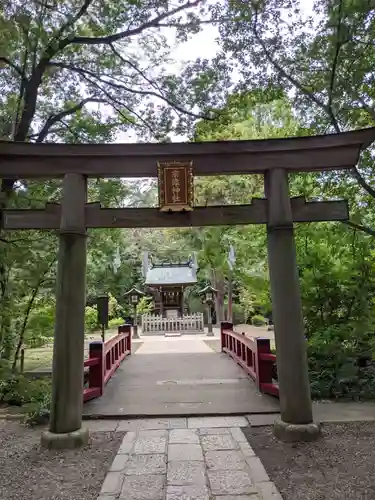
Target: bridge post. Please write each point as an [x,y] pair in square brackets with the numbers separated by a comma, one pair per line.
[224,325]
[65,429]
[96,373]
[296,422]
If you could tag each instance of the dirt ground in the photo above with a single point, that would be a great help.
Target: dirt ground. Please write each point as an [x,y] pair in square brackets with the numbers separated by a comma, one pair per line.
[340,466]
[29,473]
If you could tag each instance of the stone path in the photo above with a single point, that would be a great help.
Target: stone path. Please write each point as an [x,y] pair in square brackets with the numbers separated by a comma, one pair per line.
[202,458]
[179,376]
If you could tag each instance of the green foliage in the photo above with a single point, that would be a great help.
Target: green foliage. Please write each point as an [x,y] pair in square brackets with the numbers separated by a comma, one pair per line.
[115,322]
[39,411]
[113,306]
[40,327]
[144,305]
[258,320]
[239,316]
[32,394]
[341,364]
[91,319]
[18,390]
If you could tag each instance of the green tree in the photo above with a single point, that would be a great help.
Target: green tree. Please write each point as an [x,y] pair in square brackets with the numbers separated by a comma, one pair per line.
[83,70]
[247,115]
[324,59]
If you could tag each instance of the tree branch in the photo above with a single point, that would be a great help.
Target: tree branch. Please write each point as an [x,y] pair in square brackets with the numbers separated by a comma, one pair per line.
[291,79]
[361,181]
[32,85]
[63,114]
[119,86]
[133,66]
[364,229]
[9,63]
[336,57]
[153,23]
[73,19]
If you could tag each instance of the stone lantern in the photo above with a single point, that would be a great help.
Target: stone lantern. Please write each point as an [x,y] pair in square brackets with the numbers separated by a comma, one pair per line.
[134,296]
[209,294]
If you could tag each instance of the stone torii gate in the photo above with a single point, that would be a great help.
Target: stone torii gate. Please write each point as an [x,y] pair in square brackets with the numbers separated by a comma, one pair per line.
[274,159]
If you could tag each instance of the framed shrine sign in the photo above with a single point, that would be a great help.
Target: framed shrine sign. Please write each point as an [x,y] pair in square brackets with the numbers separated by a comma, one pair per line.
[176,192]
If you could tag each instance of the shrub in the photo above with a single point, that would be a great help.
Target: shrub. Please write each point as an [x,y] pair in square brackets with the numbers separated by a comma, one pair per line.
[258,320]
[115,322]
[145,305]
[16,389]
[113,306]
[37,341]
[340,364]
[40,326]
[91,319]
[238,314]
[39,411]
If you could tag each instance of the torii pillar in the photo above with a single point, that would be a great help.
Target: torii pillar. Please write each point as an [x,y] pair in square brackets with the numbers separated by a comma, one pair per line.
[65,429]
[296,423]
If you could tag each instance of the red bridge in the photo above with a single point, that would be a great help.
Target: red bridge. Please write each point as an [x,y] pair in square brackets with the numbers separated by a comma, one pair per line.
[104,359]
[187,375]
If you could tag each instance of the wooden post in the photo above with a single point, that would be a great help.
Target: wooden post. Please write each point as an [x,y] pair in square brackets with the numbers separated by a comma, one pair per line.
[68,351]
[263,368]
[182,304]
[96,372]
[209,320]
[161,310]
[128,340]
[295,400]
[224,325]
[135,323]
[22,360]
[230,296]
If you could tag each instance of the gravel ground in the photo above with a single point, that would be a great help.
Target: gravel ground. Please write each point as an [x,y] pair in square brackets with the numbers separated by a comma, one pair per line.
[29,473]
[340,466]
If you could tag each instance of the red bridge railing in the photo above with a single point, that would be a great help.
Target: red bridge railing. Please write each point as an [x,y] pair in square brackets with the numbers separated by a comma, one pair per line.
[253,355]
[104,359]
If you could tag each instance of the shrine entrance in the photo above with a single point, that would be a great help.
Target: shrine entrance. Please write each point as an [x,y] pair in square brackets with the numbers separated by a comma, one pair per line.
[166,282]
[175,165]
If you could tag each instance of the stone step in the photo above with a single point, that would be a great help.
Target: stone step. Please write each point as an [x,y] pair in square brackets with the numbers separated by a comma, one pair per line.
[172,334]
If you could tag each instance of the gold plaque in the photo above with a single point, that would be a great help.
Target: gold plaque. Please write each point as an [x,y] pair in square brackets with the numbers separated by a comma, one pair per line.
[175,186]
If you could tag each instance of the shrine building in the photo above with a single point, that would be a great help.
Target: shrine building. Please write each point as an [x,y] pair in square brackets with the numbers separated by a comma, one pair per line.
[167,282]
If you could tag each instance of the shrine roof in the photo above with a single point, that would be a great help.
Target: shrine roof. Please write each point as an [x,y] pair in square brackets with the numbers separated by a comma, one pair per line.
[172,274]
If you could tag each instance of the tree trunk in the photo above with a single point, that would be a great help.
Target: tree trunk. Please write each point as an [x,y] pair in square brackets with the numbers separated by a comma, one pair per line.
[218,282]
[25,321]
[6,338]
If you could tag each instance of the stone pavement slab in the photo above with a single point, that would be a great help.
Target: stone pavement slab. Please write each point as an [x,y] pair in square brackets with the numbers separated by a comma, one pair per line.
[201,422]
[184,473]
[183,436]
[146,464]
[193,492]
[180,376]
[147,445]
[326,412]
[234,482]
[221,442]
[143,487]
[152,424]
[186,452]
[208,463]
[225,460]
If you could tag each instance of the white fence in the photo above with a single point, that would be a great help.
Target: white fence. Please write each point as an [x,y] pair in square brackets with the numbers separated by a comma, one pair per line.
[158,324]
